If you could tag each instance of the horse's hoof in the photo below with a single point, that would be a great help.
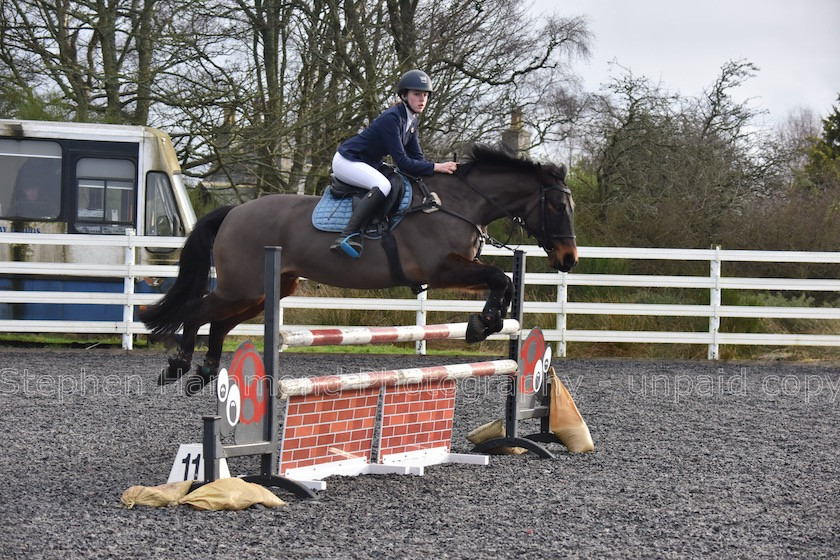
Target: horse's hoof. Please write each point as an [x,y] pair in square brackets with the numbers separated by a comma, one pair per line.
[203,375]
[493,324]
[476,330]
[178,367]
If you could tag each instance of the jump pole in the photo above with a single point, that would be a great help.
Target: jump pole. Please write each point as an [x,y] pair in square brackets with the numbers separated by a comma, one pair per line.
[377,335]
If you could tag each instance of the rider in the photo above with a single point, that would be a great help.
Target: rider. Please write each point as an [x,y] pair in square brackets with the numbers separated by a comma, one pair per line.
[394,133]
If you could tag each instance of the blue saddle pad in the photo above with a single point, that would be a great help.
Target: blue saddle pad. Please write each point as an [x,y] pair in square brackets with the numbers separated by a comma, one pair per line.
[332,214]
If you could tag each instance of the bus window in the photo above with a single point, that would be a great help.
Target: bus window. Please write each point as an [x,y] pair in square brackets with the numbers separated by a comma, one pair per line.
[30,179]
[161,212]
[105,195]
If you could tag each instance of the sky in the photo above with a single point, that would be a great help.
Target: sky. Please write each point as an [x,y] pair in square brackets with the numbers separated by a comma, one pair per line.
[683,44]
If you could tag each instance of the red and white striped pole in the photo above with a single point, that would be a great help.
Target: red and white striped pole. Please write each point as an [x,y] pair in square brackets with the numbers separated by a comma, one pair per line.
[334,384]
[373,335]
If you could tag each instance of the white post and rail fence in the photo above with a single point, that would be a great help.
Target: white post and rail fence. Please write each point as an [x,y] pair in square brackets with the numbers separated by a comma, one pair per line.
[561,308]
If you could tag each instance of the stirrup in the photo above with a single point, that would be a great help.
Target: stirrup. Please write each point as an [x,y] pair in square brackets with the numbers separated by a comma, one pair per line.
[348,246]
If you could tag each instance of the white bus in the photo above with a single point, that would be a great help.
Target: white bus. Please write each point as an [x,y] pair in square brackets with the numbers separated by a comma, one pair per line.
[74,178]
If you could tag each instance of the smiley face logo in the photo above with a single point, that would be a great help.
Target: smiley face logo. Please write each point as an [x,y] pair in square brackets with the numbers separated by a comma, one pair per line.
[241,391]
[534,359]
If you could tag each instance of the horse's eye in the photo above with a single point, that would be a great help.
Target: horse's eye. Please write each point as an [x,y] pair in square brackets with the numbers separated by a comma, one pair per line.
[557,202]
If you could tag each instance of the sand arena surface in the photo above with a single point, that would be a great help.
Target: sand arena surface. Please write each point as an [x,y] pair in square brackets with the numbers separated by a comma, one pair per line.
[693,460]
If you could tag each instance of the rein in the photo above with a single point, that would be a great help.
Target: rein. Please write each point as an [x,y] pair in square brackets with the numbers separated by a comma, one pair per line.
[484,235]
[542,236]
[431,203]
[428,205]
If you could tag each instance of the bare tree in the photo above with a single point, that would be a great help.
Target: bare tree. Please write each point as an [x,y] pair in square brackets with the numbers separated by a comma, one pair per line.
[103,57]
[267,89]
[299,77]
[491,58]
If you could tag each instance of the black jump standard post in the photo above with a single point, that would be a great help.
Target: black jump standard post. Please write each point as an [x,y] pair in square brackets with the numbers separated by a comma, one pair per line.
[268,448]
[520,405]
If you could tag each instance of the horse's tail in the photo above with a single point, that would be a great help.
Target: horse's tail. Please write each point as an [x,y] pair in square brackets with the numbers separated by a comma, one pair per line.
[168,315]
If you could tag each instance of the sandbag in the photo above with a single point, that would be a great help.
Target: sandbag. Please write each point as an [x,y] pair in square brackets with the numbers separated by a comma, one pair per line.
[490,430]
[230,494]
[155,496]
[564,419]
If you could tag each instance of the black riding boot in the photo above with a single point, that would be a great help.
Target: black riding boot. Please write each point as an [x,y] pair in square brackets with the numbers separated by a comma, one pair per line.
[350,241]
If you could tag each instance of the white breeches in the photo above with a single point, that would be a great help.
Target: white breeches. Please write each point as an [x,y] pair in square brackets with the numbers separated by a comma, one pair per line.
[359,174]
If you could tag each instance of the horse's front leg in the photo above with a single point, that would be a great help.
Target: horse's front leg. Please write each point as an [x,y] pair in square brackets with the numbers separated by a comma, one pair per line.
[458,272]
[491,319]
[508,297]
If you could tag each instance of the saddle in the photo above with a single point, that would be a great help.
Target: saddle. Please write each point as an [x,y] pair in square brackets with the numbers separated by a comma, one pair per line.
[334,209]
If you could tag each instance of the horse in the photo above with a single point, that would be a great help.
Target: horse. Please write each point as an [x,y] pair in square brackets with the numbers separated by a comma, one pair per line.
[439,249]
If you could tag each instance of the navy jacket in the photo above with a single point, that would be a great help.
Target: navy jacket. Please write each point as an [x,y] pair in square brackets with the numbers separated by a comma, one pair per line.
[387,135]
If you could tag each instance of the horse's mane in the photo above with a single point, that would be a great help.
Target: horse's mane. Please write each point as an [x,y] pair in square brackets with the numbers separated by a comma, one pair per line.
[503,155]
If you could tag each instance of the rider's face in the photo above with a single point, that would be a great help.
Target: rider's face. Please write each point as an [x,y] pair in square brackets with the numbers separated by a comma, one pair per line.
[417,100]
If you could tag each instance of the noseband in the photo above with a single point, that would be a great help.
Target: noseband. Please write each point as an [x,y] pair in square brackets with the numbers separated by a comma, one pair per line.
[544,238]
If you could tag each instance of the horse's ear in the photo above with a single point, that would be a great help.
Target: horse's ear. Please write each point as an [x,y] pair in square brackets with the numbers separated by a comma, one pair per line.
[557,172]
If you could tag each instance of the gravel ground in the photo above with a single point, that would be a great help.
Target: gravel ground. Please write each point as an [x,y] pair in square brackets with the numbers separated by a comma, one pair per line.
[692,460]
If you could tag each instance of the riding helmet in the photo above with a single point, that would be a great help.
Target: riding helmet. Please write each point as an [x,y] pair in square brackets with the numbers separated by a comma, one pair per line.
[416,80]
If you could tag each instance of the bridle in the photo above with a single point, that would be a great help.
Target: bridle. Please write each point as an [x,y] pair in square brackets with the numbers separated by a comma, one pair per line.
[543,236]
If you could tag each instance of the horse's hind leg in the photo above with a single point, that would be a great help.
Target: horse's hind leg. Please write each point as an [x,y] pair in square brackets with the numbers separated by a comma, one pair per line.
[218,331]
[179,363]
[227,315]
